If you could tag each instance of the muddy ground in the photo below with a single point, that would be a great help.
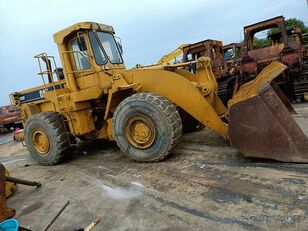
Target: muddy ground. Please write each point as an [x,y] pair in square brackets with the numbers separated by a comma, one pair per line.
[204,185]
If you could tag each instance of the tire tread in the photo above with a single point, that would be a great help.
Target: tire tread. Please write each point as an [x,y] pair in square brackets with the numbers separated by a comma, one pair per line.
[54,121]
[170,112]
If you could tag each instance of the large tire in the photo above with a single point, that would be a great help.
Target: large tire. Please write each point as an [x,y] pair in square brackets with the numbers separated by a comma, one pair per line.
[159,122]
[46,138]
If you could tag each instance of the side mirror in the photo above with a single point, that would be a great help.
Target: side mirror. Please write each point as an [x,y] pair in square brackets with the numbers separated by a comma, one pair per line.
[119,44]
[120,47]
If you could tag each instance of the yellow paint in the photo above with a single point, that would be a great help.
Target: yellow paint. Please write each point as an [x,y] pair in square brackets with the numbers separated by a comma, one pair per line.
[89,98]
[199,101]
[40,142]
[172,55]
[140,132]
[10,187]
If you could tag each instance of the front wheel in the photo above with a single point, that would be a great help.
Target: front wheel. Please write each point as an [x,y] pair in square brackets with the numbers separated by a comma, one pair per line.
[146,127]
[46,138]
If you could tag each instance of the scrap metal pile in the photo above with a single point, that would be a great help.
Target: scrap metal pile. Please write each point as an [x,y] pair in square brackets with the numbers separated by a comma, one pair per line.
[9,118]
[237,63]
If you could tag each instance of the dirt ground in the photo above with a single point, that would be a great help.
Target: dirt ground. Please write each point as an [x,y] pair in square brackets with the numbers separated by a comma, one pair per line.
[204,185]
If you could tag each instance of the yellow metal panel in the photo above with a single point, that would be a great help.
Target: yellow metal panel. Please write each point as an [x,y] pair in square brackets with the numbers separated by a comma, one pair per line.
[186,74]
[86,82]
[86,95]
[82,122]
[62,34]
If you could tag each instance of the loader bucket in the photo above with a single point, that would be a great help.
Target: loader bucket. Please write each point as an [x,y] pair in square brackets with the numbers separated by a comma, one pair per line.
[263,124]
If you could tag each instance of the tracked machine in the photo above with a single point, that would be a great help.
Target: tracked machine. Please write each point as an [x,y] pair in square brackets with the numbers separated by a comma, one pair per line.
[98,98]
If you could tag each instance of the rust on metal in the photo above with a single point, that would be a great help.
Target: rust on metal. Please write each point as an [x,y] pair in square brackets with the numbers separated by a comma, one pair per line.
[9,117]
[22,181]
[286,46]
[274,132]
[260,109]
[231,63]
[207,48]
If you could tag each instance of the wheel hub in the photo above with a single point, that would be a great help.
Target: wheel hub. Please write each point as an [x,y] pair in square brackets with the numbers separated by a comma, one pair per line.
[140,132]
[40,142]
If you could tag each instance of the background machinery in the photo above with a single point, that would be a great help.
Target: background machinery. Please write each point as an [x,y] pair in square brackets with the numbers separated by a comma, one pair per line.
[286,45]
[224,64]
[242,62]
[97,98]
[9,118]
[172,55]
[233,53]
[214,50]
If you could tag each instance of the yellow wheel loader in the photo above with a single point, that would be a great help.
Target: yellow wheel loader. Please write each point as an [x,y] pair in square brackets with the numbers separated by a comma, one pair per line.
[95,97]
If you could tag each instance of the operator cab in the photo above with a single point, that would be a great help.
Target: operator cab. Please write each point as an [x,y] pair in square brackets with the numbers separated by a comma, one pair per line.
[104,48]
[88,52]
[92,45]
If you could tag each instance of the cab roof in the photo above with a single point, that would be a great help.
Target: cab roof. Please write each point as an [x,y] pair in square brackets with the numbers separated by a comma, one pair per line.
[60,36]
[263,25]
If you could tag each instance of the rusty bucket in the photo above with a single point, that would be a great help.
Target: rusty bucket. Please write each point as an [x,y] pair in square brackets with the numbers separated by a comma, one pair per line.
[263,124]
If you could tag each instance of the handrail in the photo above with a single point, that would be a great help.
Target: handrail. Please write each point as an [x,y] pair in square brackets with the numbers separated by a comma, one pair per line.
[79,64]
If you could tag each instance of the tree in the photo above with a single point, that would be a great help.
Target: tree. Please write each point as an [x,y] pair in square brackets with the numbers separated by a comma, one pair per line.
[261,42]
[291,22]
[294,22]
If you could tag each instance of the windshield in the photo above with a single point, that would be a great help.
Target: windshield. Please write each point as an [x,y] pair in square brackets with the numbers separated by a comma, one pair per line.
[99,55]
[110,47]
[107,42]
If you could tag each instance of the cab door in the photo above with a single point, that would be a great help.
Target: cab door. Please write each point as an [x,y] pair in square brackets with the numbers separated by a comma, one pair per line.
[85,73]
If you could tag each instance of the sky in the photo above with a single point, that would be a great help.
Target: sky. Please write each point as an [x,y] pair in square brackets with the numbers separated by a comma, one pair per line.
[148,29]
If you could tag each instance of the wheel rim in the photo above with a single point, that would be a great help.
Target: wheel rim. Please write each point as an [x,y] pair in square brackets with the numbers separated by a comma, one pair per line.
[40,142]
[140,132]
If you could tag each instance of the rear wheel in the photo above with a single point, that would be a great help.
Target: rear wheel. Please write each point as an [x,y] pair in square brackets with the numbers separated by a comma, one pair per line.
[146,127]
[46,138]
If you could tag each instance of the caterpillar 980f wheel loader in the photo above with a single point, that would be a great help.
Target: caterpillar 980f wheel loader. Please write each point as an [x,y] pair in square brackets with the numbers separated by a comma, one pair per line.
[95,97]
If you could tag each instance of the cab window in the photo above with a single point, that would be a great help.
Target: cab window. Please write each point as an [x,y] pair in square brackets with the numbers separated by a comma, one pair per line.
[110,47]
[81,54]
[99,55]
[105,47]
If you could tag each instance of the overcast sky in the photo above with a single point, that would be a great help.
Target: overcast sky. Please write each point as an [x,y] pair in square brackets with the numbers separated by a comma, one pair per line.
[148,29]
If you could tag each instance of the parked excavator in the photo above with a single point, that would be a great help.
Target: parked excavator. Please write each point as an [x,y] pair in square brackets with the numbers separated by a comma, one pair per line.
[98,98]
